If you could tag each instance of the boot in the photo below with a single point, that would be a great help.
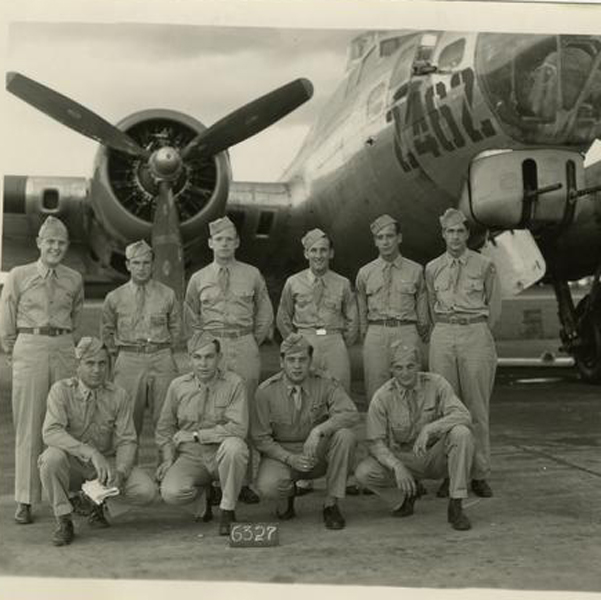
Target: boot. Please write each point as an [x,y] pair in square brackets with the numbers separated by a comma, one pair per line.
[456,516]
[289,513]
[481,488]
[23,514]
[227,518]
[97,519]
[406,509]
[443,490]
[63,534]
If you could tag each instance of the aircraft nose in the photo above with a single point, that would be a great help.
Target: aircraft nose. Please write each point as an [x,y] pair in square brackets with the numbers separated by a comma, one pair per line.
[543,89]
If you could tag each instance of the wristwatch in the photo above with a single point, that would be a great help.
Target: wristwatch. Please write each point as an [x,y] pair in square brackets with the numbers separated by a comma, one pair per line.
[196,437]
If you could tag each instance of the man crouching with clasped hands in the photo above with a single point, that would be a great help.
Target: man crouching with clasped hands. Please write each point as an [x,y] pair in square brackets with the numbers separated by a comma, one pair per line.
[301,428]
[417,428]
[201,431]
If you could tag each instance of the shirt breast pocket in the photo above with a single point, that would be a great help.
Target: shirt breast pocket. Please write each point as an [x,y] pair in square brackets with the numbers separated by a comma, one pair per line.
[474,284]
[303,300]
[374,286]
[221,406]
[208,297]
[442,283]
[319,413]
[405,287]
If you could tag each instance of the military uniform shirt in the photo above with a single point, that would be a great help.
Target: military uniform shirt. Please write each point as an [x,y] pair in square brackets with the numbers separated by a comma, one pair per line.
[397,415]
[217,410]
[337,309]
[470,288]
[26,300]
[279,426]
[122,325]
[80,420]
[245,304]
[404,298]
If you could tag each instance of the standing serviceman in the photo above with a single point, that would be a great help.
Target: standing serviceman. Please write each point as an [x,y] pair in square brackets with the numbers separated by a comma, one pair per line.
[393,305]
[40,309]
[320,305]
[465,302]
[229,299]
[141,324]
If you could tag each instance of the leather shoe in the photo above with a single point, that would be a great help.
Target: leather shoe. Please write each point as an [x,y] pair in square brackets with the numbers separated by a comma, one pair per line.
[97,519]
[227,518]
[406,509]
[332,517]
[289,513]
[23,514]
[63,534]
[481,488]
[456,517]
[443,490]
[302,489]
[248,496]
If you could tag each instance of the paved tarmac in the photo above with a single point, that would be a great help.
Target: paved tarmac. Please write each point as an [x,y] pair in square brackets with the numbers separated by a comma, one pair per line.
[542,529]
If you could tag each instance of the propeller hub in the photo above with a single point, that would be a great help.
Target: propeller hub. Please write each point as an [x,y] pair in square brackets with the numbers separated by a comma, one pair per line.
[165,163]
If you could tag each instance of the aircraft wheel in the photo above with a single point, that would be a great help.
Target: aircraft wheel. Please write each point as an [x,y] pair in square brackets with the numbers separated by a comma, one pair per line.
[588,355]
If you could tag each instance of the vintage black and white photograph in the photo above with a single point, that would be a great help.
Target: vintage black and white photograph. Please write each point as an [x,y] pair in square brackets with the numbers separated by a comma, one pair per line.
[292,304]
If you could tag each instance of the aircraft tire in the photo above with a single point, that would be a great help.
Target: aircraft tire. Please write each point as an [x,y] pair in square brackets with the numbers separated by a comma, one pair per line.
[588,356]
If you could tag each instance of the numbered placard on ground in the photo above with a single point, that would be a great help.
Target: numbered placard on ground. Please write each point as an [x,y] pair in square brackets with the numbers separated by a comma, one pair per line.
[254,535]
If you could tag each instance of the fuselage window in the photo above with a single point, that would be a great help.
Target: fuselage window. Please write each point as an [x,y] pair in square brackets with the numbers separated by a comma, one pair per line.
[390,46]
[266,219]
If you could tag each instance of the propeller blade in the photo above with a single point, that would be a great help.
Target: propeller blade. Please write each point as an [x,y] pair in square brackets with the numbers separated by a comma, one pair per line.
[70,113]
[167,242]
[250,119]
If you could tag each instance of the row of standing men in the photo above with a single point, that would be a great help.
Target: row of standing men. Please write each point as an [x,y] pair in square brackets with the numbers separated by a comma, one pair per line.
[42,301]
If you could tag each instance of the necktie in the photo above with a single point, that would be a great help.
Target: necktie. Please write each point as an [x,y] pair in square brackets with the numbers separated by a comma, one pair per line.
[297,396]
[318,288]
[223,279]
[140,303]
[411,401]
[387,275]
[455,273]
[204,397]
[51,285]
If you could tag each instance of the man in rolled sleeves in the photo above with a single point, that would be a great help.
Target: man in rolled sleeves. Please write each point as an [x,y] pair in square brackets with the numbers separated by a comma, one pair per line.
[465,303]
[320,305]
[301,427]
[392,300]
[417,428]
[89,431]
[201,431]
[40,308]
[141,324]
[229,299]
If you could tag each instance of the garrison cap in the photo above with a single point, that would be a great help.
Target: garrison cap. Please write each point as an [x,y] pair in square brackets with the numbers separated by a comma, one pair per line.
[294,344]
[313,236]
[88,346]
[53,227]
[199,340]
[381,222]
[220,224]
[402,351]
[452,217]
[136,249]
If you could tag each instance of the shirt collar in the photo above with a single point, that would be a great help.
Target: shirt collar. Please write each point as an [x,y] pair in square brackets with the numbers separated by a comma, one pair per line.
[397,262]
[135,286]
[43,270]
[209,384]
[85,392]
[312,277]
[216,266]
[417,387]
[462,259]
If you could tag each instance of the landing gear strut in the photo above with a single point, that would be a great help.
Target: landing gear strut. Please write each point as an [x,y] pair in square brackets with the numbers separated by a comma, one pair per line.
[581,327]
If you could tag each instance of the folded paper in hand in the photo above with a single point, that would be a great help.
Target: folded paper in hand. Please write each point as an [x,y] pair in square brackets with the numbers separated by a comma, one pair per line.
[97,492]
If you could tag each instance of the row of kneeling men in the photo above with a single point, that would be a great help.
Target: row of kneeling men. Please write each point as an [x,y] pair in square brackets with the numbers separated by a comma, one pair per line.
[302,425]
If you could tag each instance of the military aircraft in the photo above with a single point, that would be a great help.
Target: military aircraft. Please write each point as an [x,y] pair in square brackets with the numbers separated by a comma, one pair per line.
[495,124]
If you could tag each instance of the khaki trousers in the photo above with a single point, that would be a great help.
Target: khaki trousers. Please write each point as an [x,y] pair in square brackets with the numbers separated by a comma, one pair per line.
[452,454]
[61,472]
[38,362]
[330,354]
[335,456]
[146,378]
[200,464]
[377,356]
[466,357]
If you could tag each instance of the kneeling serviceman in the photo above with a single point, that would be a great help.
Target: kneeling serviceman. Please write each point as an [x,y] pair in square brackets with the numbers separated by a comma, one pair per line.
[302,430]
[417,428]
[87,420]
[201,431]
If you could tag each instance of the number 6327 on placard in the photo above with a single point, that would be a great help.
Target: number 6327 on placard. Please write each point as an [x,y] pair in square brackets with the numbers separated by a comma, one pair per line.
[254,535]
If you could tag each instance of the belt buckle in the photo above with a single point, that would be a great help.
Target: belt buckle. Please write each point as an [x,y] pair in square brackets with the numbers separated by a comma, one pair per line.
[454,320]
[321,331]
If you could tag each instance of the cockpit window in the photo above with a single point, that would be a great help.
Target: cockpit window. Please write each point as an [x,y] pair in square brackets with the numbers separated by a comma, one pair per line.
[390,46]
[452,55]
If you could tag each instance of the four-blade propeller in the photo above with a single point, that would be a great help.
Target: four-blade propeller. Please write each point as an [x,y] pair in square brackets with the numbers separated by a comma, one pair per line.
[165,163]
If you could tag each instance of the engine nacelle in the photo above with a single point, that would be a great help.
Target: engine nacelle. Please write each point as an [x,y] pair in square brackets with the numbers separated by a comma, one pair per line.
[123,191]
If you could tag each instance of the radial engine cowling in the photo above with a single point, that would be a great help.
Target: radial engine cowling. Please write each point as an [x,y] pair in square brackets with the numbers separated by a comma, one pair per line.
[124,191]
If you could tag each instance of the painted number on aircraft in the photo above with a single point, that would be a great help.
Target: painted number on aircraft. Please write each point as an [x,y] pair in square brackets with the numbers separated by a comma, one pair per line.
[424,118]
[254,535]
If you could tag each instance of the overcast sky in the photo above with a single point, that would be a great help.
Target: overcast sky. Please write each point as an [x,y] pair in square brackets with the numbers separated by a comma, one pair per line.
[118,69]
